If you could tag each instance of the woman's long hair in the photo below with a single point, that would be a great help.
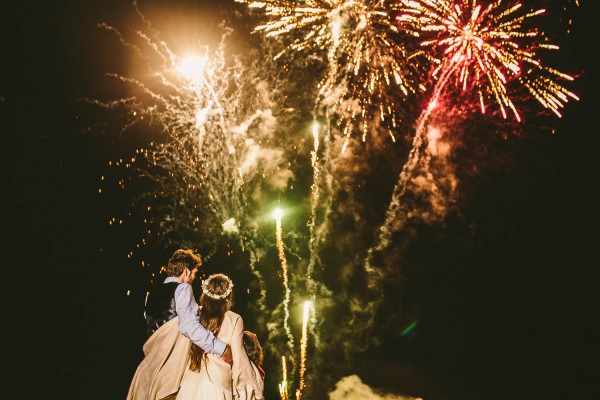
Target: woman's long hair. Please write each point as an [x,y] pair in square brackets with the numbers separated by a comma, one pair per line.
[215,301]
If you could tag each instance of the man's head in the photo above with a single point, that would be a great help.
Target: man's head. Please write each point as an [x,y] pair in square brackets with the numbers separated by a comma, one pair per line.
[184,264]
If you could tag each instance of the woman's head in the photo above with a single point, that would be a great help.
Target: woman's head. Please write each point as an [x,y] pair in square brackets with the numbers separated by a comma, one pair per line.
[217,289]
[253,348]
[216,299]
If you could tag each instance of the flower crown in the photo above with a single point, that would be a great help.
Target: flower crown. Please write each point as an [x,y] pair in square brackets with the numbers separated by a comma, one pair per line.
[215,296]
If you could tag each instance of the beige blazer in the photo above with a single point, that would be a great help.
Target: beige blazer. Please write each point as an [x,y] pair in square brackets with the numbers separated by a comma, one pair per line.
[165,359]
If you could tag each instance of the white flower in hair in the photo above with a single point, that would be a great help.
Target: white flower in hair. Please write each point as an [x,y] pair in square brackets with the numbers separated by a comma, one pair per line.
[215,296]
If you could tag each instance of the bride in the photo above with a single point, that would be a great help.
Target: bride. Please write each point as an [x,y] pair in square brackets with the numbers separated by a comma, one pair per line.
[207,377]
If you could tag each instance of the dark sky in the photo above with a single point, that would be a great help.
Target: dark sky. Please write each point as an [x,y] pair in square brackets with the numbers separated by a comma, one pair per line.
[514,316]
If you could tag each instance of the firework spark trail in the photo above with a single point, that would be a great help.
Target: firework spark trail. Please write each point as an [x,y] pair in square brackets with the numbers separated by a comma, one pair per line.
[314,236]
[303,346]
[283,386]
[395,217]
[365,61]
[313,210]
[287,294]
[321,200]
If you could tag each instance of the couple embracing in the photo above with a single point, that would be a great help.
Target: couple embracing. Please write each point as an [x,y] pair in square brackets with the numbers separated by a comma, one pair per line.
[195,353]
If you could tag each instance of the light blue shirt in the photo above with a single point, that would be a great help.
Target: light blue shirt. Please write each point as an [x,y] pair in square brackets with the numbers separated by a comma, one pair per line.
[189,320]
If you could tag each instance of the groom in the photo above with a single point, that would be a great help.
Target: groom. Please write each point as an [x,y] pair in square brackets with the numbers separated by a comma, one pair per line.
[172,318]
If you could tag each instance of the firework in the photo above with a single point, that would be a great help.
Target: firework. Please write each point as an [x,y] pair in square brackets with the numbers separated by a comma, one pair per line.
[483,49]
[203,168]
[476,50]
[206,121]
[179,100]
[369,68]
[204,116]
[479,49]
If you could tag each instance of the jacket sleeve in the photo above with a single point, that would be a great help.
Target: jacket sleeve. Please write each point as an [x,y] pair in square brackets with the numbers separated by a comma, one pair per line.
[245,379]
[189,322]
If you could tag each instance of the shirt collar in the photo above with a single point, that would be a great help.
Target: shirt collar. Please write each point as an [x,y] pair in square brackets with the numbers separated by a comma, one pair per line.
[170,279]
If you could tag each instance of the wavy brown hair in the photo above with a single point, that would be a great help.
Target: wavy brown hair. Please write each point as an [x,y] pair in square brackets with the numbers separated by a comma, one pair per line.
[212,312]
[182,259]
[253,348]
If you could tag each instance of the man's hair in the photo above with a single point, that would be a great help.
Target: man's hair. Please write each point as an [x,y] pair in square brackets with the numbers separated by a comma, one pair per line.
[182,259]
[253,347]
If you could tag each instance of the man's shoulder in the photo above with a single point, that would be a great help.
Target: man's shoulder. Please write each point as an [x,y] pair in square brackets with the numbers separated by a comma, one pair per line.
[182,286]
[183,291]
[172,279]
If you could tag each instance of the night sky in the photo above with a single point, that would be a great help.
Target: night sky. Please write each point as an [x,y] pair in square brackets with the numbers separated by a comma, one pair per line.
[502,291]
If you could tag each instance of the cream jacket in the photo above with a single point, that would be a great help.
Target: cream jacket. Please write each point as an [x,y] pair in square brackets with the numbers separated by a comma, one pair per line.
[165,359]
